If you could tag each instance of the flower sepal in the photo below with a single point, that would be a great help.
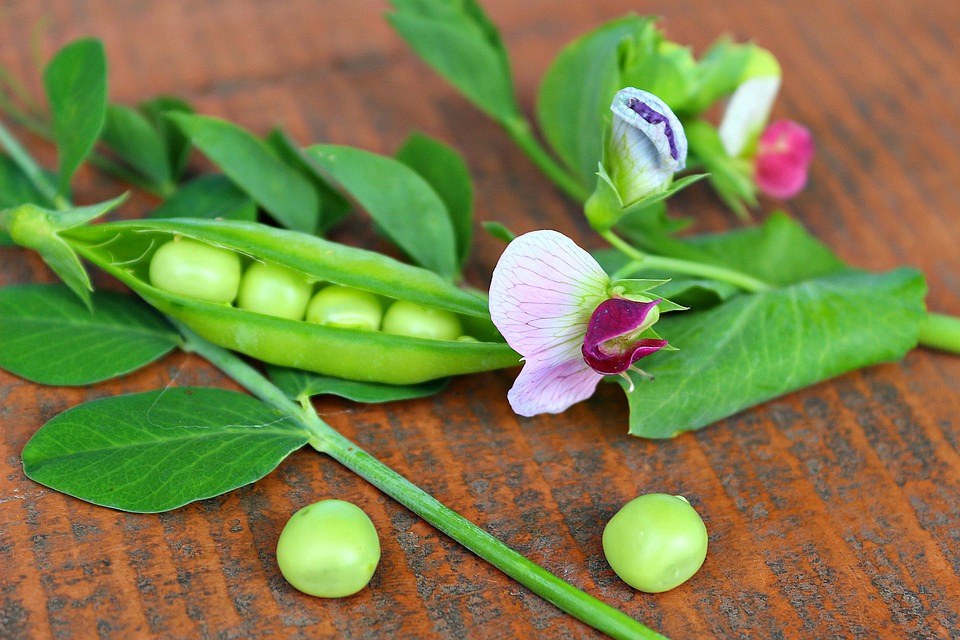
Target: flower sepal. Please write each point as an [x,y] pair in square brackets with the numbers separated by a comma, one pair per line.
[605,207]
[639,290]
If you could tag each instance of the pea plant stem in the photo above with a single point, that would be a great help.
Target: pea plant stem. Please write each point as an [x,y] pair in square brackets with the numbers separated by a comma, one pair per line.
[326,439]
[522,133]
[647,261]
[940,331]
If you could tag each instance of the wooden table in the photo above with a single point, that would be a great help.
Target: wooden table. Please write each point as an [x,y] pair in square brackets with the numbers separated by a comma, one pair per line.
[833,512]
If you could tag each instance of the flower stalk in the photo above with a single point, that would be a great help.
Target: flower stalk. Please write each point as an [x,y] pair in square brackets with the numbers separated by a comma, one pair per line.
[522,134]
[642,260]
[326,439]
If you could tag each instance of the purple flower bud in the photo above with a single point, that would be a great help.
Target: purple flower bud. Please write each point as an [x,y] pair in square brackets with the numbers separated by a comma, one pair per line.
[647,145]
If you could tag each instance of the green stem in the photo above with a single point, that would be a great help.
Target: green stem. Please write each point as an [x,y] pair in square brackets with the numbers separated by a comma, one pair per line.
[325,439]
[940,331]
[31,169]
[521,132]
[688,267]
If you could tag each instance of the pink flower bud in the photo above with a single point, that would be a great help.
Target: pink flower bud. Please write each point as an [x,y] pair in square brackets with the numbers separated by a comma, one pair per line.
[784,152]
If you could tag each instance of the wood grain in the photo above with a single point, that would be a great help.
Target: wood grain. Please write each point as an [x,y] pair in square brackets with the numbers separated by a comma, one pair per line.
[833,512]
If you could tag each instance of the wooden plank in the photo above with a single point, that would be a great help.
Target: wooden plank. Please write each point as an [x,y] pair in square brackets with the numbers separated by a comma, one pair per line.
[833,512]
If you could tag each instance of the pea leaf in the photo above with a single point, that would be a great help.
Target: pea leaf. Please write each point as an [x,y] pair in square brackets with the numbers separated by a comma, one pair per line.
[208,196]
[76,85]
[719,72]
[298,384]
[574,99]
[155,451]
[458,40]
[404,205]
[134,139]
[757,347]
[177,144]
[50,337]
[15,187]
[445,170]
[780,251]
[254,168]
[499,231]
[333,206]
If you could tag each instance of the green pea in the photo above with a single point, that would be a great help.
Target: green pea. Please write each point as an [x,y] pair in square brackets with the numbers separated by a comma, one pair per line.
[655,542]
[345,307]
[274,290]
[329,549]
[405,318]
[196,270]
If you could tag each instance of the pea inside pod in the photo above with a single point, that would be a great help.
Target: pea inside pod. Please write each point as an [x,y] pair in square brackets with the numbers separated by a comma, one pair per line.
[125,249]
[196,270]
[270,289]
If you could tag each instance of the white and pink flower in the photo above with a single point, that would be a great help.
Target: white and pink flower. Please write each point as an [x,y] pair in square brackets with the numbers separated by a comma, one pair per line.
[551,301]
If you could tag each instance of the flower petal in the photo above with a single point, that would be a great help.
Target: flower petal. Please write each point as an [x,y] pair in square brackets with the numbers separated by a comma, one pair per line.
[614,319]
[552,388]
[783,159]
[542,293]
[647,144]
[652,119]
[747,113]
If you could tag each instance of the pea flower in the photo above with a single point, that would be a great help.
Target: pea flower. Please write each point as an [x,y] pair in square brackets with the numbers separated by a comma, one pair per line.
[647,145]
[551,301]
[780,153]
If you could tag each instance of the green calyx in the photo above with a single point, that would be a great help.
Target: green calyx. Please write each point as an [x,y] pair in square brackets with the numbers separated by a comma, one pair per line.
[37,228]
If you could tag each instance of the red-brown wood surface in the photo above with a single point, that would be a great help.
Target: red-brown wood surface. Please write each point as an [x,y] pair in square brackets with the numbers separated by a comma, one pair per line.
[833,511]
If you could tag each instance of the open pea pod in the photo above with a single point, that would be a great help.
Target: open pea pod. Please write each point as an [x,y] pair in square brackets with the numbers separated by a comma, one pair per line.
[124,249]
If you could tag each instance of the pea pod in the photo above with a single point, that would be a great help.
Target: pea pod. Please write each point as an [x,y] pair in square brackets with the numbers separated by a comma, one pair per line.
[124,249]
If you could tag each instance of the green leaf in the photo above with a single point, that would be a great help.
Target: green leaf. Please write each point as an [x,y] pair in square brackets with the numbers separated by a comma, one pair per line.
[457,39]
[177,144]
[208,196]
[76,85]
[720,71]
[499,231]
[780,251]
[16,187]
[573,102]
[445,170]
[665,69]
[298,384]
[333,206]
[159,450]
[255,169]
[398,199]
[133,138]
[761,346]
[50,337]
